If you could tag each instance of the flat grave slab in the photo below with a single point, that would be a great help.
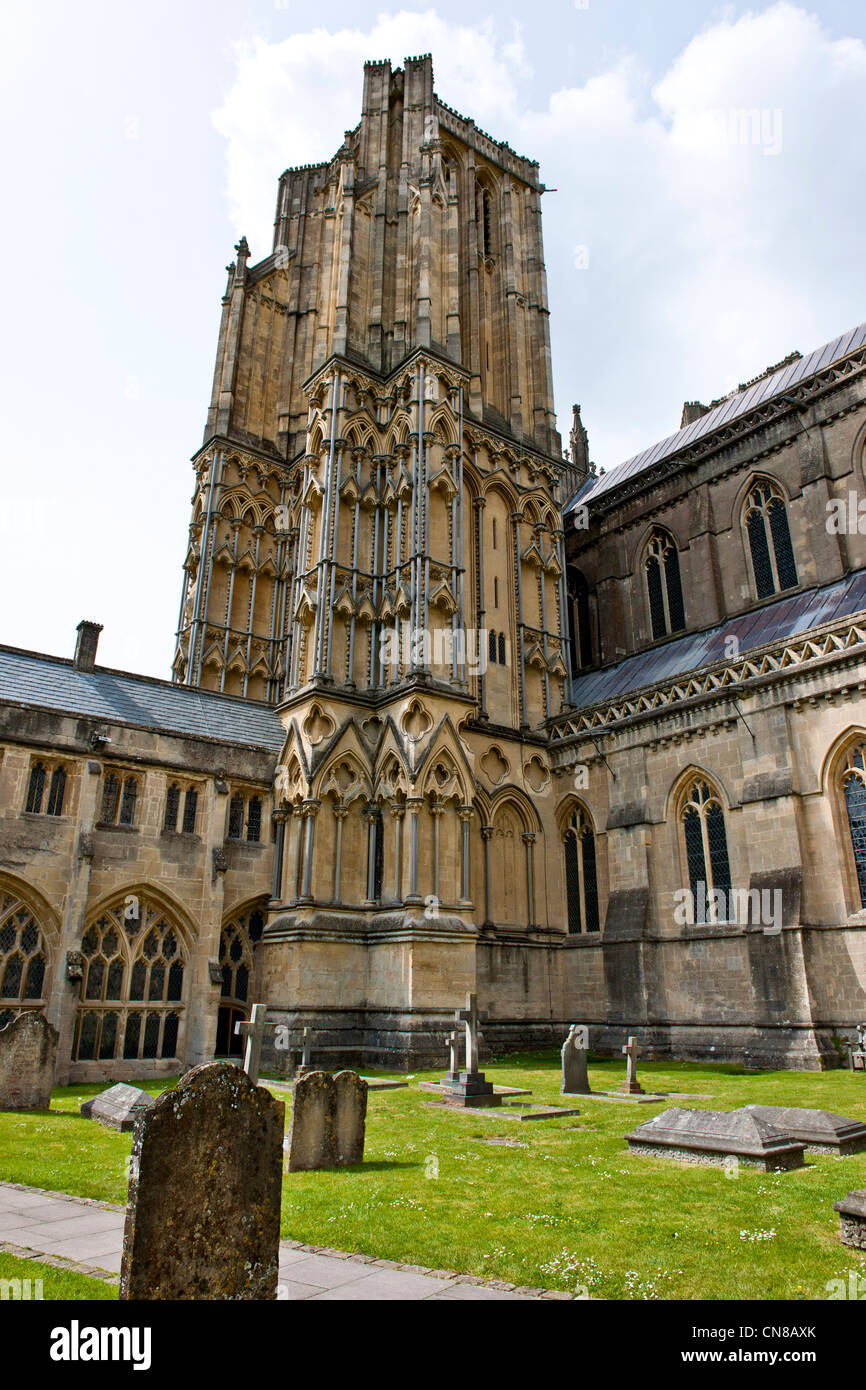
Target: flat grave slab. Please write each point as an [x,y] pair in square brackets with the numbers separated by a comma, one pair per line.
[120,1107]
[817,1129]
[711,1136]
[509,1110]
[374,1083]
[852,1218]
[437,1088]
[648,1097]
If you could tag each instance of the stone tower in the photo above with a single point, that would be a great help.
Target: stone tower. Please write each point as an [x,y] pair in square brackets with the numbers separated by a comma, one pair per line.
[377,548]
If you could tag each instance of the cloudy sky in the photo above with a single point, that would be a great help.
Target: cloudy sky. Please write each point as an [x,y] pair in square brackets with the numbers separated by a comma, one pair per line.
[686,249]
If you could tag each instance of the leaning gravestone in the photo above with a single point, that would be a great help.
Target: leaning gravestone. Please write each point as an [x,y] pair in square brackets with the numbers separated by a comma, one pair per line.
[852,1218]
[575,1081]
[203,1216]
[817,1129]
[117,1108]
[328,1121]
[28,1052]
[711,1136]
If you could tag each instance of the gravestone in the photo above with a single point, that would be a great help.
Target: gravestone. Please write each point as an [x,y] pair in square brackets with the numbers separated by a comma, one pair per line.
[351,1116]
[328,1121]
[631,1086]
[28,1052]
[254,1032]
[857,1049]
[711,1136]
[453,1072]
[575,1081]
[817,1129]
[306,1063]
[852,1218]
[117,1108]
[203,1215]
[468,1088]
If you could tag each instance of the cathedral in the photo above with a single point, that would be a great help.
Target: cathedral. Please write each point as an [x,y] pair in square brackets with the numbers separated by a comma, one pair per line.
[452,710]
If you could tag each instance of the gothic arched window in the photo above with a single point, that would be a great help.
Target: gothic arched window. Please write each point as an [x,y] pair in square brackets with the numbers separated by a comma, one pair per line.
[57,792]
[172,807]
[236,817]
[491,646]
[854,788]
[581,878]
[254,819]
[23,958]
[131,1000]
[110,798]
[127,802]
[35,789]
[501,642]
[485,226]
[664,587]
[578,620]
[706,845]
[766,520]
[190,806]
[237,940]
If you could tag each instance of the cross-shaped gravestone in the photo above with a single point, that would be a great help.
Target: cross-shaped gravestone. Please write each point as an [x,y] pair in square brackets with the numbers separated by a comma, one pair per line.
[454,1052]
[254,1032]
[632,1051]
[471,1018]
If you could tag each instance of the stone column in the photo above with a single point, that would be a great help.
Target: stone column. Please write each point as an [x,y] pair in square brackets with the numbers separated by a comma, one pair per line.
[436,812]
[63,1006]
[298,815]
[309,810]
[398,811]
[465,815]
[202,996]
[340,814]
[279,818]
[370,816]
[413,805]
[529,840]
[487,836]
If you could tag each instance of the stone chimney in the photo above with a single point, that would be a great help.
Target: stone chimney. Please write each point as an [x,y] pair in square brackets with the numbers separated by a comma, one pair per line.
[85,646]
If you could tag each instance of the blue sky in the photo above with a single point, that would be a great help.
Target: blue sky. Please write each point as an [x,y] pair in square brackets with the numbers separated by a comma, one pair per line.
[686,250]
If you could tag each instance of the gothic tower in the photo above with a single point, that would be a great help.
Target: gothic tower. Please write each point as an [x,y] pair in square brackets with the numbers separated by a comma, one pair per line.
[377,548]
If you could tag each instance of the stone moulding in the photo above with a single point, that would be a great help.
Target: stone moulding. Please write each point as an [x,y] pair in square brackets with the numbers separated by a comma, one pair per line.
[778,659]
[712,1136]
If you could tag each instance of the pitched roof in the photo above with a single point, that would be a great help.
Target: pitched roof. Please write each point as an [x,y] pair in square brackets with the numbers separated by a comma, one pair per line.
[786,618]
[728,410]
[28,678]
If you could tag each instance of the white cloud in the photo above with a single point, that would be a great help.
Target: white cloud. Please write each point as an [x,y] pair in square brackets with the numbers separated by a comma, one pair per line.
[707,258]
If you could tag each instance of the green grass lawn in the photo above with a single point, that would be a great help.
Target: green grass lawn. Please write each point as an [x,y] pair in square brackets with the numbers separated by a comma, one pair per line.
[49,1283]
[569,1208]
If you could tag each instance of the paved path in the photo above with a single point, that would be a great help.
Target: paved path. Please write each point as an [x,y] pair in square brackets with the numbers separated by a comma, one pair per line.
[88,1236]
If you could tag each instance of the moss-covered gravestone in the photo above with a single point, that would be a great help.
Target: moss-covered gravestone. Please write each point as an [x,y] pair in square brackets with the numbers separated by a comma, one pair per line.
[28,1052]
[328,1121]
[203,1217]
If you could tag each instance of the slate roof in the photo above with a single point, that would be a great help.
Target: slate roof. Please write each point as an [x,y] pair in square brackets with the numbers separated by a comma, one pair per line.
[776,384]
[28,678]
[786,618]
